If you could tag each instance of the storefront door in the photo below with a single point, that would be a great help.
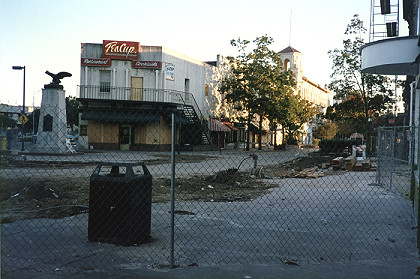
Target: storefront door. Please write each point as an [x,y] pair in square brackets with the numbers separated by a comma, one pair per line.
[125,137]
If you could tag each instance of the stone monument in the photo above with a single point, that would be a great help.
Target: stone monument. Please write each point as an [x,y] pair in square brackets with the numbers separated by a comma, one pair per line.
[52,128]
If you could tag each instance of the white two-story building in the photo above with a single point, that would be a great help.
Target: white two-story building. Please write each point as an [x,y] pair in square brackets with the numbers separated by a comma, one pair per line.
[128,93]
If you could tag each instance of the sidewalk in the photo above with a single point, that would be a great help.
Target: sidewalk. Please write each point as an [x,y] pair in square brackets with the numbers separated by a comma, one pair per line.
[59,248]
[393,269]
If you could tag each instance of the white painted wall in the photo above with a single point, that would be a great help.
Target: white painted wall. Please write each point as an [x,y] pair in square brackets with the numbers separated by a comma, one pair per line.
[296,66]
[214,103]
[185,68]
[197,72]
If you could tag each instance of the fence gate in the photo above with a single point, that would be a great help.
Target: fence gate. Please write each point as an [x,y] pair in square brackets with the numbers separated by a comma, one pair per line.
[285,204]
[395,158]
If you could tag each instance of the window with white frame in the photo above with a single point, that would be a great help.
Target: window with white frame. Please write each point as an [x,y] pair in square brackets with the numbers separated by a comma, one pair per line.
[104,81]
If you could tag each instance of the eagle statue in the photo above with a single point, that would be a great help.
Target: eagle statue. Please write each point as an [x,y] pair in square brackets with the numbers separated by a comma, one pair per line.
[56,79]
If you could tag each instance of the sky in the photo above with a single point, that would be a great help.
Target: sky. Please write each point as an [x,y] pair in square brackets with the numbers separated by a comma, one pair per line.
[46,35]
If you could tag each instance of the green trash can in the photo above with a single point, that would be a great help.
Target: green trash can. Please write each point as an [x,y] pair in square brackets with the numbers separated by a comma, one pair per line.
[120,204]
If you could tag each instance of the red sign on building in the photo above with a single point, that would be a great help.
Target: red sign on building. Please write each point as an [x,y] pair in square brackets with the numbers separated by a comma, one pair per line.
[100,62]
[147,64]
[121,50]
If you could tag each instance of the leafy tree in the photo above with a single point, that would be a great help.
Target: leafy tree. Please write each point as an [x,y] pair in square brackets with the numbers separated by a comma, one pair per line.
[347,127]
[327,131]
[257,80]
[363,94]
[72,111]
[350,109]
[297,112]
[6,121]
[29,126]
[280,109]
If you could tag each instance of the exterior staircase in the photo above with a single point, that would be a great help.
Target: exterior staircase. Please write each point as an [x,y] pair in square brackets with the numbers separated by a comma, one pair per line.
[191,115]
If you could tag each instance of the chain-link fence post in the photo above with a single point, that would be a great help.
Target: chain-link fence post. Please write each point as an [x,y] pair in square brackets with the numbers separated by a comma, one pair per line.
[417,185]
[393,154]
[379,153]
[172,192]
[412,168]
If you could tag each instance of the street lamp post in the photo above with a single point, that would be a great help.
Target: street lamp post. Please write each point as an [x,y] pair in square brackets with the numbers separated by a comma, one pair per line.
[23,104]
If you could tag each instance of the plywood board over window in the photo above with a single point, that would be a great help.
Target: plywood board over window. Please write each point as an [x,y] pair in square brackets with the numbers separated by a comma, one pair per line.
[140,134]
[136,89]
[152,133]
[102,132]
[165,131]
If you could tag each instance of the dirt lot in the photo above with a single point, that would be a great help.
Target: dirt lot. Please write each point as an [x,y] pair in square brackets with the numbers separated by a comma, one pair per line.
[54,197]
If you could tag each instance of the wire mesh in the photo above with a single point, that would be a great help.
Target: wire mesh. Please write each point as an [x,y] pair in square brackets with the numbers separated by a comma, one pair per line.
[274,204]
[396,155]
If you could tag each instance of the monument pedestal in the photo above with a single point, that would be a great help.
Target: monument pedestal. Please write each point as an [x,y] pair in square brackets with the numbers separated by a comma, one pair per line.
[52,128]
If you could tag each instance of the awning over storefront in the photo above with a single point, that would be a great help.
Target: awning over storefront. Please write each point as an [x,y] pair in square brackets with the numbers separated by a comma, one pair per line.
[230,126]
[218,126]
[130,117]
[119,117]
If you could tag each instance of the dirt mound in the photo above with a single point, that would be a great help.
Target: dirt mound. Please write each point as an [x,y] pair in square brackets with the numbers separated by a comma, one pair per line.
[37,192]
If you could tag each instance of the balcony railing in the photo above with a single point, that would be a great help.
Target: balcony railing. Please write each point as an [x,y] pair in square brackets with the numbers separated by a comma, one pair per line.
[139,94]
[131,94]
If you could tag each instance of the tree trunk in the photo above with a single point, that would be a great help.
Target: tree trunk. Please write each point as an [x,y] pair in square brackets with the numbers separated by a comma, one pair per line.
[283,135]
[367,124]
[260,134]
[275,137]
[366,105]
[247,132]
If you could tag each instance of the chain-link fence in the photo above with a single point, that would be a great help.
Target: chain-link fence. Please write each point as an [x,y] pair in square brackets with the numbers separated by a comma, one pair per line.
[395,158]
[129,185]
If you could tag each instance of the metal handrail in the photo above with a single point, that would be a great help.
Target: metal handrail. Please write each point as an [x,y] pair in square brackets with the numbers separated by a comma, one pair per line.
[197,110]
[128,94]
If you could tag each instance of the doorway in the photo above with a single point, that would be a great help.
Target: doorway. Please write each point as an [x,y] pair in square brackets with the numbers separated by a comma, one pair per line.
[136,89]
[125,137]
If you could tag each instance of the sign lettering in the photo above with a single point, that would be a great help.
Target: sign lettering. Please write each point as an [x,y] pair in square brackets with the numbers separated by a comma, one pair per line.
[147,64]
[105,62]
[170,72]
[121,50]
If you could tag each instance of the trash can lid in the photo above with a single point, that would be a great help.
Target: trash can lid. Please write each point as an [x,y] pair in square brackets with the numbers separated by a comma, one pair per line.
[116,165]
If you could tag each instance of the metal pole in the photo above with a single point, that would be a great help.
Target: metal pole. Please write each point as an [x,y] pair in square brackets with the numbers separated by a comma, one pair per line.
[413,179]
[416,194]
[394,138]
[380,159]
[171,257]
[33,117]
[416,158]
[412,89]
[23,107]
